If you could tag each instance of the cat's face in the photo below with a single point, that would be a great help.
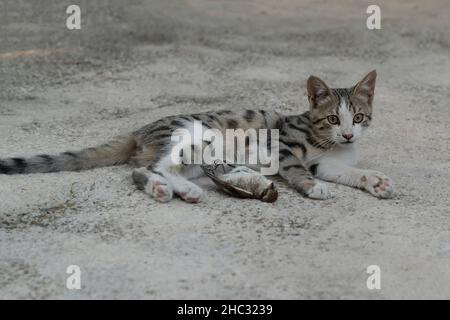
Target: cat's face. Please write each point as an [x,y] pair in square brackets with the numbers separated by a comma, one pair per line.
[340,116]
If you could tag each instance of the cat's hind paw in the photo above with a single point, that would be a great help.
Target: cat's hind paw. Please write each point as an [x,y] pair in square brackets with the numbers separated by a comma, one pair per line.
[153,184]
[378,185]
[189,192]
[159,189]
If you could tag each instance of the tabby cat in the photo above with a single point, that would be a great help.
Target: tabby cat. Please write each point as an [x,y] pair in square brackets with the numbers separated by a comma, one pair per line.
[319,143]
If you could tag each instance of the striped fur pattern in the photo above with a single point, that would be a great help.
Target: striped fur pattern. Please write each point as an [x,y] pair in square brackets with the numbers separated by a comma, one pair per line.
[115,152]
[316,144]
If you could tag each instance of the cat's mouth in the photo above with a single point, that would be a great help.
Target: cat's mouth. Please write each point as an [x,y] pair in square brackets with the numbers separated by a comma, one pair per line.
[347,142]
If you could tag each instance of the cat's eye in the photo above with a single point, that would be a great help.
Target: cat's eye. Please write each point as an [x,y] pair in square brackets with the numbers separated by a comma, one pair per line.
[358,118]
[333,119]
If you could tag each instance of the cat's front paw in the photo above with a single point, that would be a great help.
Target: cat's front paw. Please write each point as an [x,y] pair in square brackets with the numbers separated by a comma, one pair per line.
[378,185]
[315,190]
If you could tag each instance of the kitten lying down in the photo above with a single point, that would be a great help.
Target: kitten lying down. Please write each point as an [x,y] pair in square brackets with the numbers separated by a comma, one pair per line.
[319,144]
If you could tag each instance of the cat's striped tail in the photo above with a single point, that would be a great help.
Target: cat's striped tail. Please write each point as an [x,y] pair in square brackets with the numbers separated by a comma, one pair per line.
[115,152]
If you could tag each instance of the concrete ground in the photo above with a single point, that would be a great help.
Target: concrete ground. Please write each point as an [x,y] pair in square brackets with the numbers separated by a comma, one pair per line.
[132,64]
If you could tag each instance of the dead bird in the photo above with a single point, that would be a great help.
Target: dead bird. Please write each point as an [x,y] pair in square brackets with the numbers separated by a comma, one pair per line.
[241,182]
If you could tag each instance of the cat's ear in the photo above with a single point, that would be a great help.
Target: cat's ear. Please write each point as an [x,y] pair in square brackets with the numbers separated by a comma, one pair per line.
[366,87]
[318,91]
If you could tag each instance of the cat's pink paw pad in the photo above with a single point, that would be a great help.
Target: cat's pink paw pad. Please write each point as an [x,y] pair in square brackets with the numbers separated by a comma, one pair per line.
[379,185]
[160,190]
[190,193]
[188,198]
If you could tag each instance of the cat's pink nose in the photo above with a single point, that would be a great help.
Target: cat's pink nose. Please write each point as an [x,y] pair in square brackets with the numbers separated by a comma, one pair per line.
[348,136]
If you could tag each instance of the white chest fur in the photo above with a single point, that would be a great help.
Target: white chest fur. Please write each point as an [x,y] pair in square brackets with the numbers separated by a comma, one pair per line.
[347,154]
